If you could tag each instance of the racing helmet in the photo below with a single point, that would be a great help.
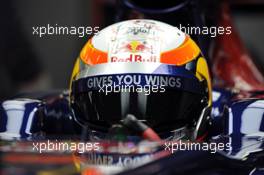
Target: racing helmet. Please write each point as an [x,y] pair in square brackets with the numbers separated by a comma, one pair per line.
[148,69]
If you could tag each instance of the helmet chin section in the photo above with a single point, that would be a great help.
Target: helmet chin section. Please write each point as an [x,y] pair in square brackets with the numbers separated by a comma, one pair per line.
[201,128]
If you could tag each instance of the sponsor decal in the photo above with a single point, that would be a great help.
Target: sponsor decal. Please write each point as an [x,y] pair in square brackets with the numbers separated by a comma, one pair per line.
[117,159]
[137,83]
[134,79]
[137,46]
[134,58]
[134,51]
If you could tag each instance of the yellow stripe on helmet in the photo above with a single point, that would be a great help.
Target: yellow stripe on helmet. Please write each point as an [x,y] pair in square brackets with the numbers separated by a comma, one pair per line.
[202,72]
[76,70]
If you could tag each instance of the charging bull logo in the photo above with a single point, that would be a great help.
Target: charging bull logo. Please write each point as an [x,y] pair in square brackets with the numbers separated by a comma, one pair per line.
[136,46]
[134,51]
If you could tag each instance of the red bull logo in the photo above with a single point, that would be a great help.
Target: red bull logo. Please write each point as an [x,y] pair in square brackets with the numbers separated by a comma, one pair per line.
[134,51]
[136,46]
[133,58]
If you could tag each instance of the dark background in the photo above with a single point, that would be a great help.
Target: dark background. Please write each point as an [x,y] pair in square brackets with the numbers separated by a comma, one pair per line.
[51,58]
[57,52]
[249,21]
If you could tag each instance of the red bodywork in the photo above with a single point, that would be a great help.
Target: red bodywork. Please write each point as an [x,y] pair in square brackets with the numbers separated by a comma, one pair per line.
[232,65]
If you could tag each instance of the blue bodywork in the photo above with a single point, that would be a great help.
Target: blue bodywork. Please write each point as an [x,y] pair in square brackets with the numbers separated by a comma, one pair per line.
[237,118]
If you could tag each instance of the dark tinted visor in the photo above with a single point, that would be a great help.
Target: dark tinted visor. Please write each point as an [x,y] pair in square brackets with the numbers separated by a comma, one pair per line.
[162,111]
